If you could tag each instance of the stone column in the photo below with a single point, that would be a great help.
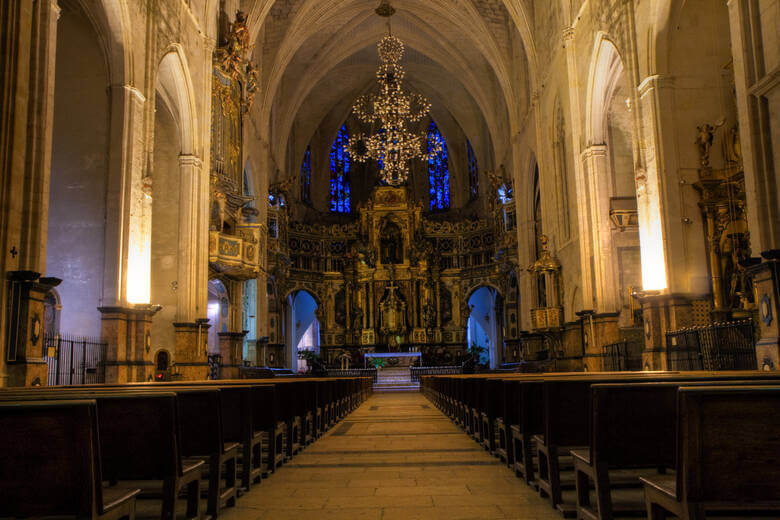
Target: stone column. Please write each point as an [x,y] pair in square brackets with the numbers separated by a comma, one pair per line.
[190,361]
[127,332]
[766,283]
[754,86]
[29,34]
[596,168]
[193,245]
[231,348]
[24,335]
[575,89]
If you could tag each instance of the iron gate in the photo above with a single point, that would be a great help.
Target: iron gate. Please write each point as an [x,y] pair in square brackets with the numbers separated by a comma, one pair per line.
[74,360]
[723,346]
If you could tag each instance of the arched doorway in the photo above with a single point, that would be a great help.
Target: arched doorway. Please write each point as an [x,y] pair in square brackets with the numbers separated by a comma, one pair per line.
[218,313]
[483,327]
[302,328]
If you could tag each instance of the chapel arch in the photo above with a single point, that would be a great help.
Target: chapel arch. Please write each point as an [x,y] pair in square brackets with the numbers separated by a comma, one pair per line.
[302,327]
[218,313]
[609,162]
[173,203]
[485,323]
[76,235]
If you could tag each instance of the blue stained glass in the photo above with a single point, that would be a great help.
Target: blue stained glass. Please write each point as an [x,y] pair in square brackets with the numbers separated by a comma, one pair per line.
[306,177]
[339,173]
[438,170]
[505,194]
[473,171]
[382,154]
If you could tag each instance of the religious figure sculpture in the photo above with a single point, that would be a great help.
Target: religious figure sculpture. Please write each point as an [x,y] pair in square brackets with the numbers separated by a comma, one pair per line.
[704,142]
[237,44]
[221,201]
[391,244]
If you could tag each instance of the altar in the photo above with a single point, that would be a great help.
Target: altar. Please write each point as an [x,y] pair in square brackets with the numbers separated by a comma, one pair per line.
[395,359]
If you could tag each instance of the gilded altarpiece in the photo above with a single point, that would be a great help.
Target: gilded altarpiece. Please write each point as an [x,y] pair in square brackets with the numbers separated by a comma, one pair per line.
[393,279]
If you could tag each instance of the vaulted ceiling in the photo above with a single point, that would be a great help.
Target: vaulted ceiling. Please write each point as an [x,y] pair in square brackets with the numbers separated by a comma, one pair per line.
[470,58]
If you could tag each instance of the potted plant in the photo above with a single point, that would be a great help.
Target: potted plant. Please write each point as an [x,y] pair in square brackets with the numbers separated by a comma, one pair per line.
[313,360]
[477,352]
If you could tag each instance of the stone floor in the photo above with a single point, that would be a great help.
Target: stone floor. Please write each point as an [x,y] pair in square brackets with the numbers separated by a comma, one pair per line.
[395,457]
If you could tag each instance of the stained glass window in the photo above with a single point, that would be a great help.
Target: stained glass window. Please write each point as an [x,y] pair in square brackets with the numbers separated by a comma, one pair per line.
[306,177]
[438,170]
[473,171]
[505,194]
[339,173]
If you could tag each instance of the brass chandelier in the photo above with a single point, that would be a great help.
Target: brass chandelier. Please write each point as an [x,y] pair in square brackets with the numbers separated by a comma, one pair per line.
[393,146]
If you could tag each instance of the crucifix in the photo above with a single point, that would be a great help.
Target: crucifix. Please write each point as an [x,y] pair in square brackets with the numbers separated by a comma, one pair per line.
[392,286]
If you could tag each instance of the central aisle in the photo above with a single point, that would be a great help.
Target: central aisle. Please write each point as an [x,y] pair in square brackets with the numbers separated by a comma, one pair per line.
[395,457]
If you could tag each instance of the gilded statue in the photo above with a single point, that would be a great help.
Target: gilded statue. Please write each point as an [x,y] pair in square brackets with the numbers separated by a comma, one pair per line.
[237,44]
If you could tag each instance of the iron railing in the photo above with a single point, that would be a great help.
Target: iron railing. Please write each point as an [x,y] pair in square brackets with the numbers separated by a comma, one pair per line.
[215,364]
[722,346]
[434,371]
[74,360]
[623,355]
[352,372]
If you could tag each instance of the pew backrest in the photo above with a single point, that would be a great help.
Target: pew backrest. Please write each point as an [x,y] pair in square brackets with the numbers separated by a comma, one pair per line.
[730,444]
[50,459]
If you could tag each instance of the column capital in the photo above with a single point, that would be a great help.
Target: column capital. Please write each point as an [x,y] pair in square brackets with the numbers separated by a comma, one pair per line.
[131,90]
[655,81]
[190,160]
[594,150]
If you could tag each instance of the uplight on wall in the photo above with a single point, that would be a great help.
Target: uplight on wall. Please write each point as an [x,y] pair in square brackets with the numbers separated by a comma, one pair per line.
[139,257]
[651,241]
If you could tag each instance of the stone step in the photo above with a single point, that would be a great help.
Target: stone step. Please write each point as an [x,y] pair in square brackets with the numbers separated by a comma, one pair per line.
[396,388]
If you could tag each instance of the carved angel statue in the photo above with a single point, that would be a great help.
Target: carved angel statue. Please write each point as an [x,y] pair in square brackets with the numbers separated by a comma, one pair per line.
[704,137]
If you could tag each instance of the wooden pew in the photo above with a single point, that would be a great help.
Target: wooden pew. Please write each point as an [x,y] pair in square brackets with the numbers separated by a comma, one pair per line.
[50,464]
[202,435]
[140,440]
[527,399]
[491,407]
[632,434]
[727,454]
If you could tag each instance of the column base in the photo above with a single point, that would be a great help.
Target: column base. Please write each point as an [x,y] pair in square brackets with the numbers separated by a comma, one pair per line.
[128,333]
[24,335]
[190,361]
[597,330]
[766,283]
[231,348]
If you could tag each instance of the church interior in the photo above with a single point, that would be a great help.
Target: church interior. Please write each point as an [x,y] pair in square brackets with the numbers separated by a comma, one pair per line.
[403,259]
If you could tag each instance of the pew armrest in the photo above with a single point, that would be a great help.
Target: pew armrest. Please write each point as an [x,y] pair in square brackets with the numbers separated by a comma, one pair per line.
[191,466]
[114,497]
[663,484]
[582,456]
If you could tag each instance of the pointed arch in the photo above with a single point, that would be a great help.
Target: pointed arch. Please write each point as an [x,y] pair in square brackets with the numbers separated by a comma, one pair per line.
[605,71]
[174,85]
